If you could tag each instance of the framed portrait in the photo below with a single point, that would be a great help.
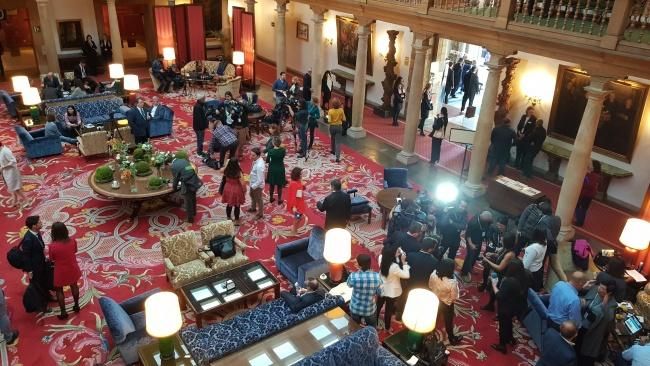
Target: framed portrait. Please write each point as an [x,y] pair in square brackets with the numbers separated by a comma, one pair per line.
[302,31]
[620,116]
[71,35]
[347,42]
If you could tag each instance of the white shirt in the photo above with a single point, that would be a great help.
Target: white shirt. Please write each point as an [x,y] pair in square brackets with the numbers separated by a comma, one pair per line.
[392,287]
[534,257]
[153,111]
[257,174]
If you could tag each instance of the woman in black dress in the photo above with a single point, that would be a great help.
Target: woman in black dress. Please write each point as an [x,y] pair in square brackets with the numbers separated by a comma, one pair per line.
[438,134]
[326,89]
[512,294]
[425,107]
[398,98]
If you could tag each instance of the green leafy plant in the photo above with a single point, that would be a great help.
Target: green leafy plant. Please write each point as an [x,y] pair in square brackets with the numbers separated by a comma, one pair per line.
[156,182]
[138,154]
[103,174]
[142,168]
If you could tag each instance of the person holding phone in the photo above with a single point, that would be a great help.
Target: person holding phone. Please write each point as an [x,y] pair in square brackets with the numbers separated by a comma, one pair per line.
[296,198]
[393,268]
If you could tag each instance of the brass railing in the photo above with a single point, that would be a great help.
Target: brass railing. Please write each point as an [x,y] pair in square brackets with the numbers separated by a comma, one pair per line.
[579,16]
[486,8]
[638,28]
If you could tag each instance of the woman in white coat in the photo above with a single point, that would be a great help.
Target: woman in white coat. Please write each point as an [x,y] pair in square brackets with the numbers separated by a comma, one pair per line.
[392,268]
[11,175]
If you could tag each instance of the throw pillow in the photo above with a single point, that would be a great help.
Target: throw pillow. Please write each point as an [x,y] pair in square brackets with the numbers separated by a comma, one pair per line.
[118,321]
[316,243]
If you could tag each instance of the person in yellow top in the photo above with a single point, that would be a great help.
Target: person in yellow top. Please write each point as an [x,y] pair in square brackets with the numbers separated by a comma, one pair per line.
[336,117]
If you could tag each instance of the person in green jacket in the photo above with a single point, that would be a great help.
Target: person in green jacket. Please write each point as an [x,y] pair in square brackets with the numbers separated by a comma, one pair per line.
[276,177]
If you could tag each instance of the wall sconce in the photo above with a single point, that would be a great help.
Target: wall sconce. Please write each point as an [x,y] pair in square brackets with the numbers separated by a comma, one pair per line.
[537,85]
[329,32]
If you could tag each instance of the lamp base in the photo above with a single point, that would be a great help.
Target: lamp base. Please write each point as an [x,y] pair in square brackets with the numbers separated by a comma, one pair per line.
[35,113]
[336,272]
[166,346]
[414,341]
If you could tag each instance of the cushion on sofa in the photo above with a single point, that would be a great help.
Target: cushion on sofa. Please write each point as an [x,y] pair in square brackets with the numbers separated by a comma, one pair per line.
[293,262]
[117,319]
[316,242]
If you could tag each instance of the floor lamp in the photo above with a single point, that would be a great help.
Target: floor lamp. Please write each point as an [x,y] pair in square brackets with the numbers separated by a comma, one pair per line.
[169,55]
[116,72]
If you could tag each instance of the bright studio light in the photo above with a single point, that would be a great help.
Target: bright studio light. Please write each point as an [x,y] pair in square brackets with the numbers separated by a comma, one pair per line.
[446,192]
[538,84]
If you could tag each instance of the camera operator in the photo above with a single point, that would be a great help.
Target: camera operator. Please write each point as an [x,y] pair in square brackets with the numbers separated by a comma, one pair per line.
[453,221]
[403,214]
[233,114]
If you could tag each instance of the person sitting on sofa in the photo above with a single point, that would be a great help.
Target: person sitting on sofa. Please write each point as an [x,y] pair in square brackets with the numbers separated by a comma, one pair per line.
[559,346]
[564,303]
[157,71]
[51,129]
[73,121]
[301,297]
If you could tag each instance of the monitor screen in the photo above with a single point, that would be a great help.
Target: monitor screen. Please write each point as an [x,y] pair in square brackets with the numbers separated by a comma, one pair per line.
[633,324]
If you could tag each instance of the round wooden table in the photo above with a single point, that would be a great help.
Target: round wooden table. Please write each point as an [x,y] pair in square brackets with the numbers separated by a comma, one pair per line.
[387,199]
[142,194]
[255,121]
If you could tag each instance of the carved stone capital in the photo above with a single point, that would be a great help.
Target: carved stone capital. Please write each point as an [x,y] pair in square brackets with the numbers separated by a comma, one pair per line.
[363,20]
[318,10]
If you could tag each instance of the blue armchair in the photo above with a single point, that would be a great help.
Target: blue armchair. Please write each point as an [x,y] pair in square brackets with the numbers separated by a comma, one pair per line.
[162,124]
[396,177]
[302,258]
[126,323]
[536,320]
[10,103]
[36,144]
[359,204]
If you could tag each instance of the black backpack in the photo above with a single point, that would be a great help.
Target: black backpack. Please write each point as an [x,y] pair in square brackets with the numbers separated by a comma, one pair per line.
[438,123]
[17,258]
[223,246]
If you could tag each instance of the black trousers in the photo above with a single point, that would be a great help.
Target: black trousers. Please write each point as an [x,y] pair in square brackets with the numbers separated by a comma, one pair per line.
[447,312]
[397,107]
[231,149]
[471,256]
[505,328]
[453,249]
[538,279]
[389,311]
[190,205]
[421,124]
[581,210]
[311,135]
[466,97]
[521,151]
[498,160]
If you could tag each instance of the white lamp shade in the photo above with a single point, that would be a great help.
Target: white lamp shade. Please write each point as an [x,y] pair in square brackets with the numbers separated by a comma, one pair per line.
[238,58]
[20,83]
[31,96]
[169,54]
[162,314]
[420,311]
[116,71]
[636,234]
[131,82]
[338,246]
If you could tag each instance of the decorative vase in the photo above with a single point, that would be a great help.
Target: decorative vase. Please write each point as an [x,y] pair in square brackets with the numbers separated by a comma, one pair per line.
[115,184]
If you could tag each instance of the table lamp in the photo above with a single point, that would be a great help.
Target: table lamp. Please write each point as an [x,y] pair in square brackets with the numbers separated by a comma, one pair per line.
[337,251]
[238,61]
[169,55]
[636,236]
[116,72]
[131,83]
[20,83]
[419,316]
[163,319]
[32,99]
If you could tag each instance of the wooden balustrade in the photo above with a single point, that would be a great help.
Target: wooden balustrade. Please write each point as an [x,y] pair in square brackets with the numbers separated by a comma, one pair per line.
[486,8]
[580,16]
[637,29]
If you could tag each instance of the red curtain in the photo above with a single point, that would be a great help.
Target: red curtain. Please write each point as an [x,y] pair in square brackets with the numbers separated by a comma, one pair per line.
[237,27]
[195,32]
[164,27]
[248,46]
[180,27]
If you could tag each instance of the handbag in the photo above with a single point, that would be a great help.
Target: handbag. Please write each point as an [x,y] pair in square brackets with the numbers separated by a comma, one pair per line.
[222,246]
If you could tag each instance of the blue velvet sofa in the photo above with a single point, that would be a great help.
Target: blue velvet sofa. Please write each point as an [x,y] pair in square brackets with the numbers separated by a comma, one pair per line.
[536,320]
[162,124]
[36,144]
[126,322]
[396,177]
[217,340]
[97,111]
[302,258]
[360,348]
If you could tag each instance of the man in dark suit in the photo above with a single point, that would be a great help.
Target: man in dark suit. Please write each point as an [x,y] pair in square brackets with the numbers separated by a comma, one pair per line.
[81,73]
[524,128]
[336,206]
[422,263]
[409,241]
[558,347]
[199,123]
[306,86]
[187,181]
[470,88]
[501,141]
[449,81]
[33,247]
[138,119]
[458,76]
[300,298]
[533,144]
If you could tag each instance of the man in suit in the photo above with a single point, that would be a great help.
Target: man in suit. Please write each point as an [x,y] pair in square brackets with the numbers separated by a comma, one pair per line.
[558,347]
[139,122]
[501,141]
[300,298]
[51,87]
[450,81]
[470,87]
[199,123]
[409,241]
[452,222]
[33,247]
[336,206]
[187,181]
[524,127]
[532,143]
[458,76]
[157,70]
[81,73]
[306,86]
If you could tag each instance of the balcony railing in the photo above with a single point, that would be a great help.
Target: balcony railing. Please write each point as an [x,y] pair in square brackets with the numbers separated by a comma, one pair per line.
[580,16]
[638,28]
[486,8]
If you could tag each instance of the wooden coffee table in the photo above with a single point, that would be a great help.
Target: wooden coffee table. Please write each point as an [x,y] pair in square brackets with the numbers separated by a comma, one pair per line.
[210,295]
[149,354]
[387,199]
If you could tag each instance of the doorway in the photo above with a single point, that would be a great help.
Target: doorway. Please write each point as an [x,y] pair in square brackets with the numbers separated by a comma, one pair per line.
[132,31]
[18,56]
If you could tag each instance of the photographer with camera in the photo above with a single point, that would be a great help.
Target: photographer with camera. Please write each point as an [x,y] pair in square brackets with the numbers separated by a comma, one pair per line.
[452,222]
[233,114]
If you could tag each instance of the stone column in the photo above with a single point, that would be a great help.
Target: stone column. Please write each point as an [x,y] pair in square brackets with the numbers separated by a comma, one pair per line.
[250,5]
[580,157]
[280,40]
[356,131]
[317,46]
[407,155]
[48,32]
[114,26]
[618,21]
[484,125]
[225,30]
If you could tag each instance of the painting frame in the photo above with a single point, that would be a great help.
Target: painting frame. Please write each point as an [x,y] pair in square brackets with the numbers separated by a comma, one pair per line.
[71,34]
[302,31]
[347,44]
[620,117]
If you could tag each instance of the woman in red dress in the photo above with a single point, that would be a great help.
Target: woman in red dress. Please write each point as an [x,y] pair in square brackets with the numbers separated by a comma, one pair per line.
[296,198]
[233,193]
[63,253]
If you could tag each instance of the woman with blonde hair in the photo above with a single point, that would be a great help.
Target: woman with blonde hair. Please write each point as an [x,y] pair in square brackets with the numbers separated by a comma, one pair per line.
[336,117]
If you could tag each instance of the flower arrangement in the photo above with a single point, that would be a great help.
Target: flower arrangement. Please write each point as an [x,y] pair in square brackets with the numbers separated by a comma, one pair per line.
[147,147]
[127,173]
[160,158]
[118,148]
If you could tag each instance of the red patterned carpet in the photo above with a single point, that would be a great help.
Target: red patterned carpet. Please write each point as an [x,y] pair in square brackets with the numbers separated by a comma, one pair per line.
[120,258]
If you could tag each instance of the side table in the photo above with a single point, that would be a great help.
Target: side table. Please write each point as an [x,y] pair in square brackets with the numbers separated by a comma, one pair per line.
[150,354]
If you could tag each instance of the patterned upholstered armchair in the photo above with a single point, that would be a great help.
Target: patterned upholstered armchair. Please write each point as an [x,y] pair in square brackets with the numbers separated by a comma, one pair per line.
[208,232]
[93,143]
[184,262]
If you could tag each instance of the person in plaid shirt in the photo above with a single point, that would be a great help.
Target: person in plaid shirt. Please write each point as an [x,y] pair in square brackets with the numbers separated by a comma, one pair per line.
[365,286]
[224,137]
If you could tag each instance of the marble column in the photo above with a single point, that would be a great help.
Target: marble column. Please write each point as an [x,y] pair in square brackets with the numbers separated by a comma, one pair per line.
[48,36]
[428,58]
[280,37]
[225,30]
[356,131]
[580,156]
[317,47]
[250,6]
[407,155]
[484,125]
[114,26]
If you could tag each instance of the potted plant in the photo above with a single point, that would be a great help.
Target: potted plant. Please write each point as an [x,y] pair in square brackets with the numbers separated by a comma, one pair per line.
[156,183]
[103,174]
[142,168]
[138,154]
